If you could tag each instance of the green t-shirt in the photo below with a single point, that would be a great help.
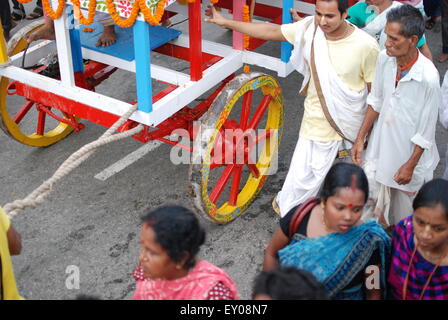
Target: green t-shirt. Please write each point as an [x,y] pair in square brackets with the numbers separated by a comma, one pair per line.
[361,14]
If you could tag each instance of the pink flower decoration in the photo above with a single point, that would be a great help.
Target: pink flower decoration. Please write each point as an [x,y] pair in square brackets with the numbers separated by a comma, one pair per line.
[125,7]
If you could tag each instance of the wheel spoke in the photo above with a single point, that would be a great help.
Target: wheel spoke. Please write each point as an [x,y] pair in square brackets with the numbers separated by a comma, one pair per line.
[217,190]
[245,111]
[235,188]
[263,136]
[253,169]
[23,111]
[41,123]
[260,112]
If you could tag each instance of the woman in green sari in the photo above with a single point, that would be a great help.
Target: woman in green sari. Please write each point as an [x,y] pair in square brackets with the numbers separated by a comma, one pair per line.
[347,257]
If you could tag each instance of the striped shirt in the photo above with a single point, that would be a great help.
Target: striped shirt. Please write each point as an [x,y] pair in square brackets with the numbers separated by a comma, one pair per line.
[402,247]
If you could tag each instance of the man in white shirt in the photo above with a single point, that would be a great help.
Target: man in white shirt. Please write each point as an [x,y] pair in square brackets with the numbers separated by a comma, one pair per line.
[404,101]
[345,59]
[443,116]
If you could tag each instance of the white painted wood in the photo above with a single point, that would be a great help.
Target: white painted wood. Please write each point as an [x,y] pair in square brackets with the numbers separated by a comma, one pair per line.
[162,109]
[157,72]
[207,46]
[64,48]
[300,6]
[34,53]
[184,95]
[268,62]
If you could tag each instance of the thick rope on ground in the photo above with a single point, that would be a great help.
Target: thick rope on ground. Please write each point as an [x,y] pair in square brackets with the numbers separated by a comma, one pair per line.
[39,194]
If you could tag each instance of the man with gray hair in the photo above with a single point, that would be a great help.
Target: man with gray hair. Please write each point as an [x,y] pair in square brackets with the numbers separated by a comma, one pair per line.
[403,106]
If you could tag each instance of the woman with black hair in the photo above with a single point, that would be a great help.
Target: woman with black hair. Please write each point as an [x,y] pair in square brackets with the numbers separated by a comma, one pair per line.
[169,269]
[325,237]
[419,269]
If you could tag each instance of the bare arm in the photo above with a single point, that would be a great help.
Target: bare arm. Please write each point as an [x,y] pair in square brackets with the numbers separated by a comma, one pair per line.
[279,241]
[366,126]
[14,241]
[264,31]
[404,174]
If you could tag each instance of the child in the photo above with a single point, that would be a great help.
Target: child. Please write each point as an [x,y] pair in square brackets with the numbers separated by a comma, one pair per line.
[288,283]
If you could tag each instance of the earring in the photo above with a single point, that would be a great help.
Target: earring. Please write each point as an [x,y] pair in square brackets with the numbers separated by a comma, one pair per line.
[322,205]
[178,266]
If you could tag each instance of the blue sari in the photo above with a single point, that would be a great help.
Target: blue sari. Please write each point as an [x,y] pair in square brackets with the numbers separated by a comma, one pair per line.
[335,259]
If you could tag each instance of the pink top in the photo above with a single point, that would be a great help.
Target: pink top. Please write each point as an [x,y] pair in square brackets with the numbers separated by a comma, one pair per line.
[195,286]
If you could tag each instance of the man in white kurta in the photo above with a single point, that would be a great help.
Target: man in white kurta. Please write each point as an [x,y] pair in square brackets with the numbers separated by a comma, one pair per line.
[443,116]
[345,59]
[402,152]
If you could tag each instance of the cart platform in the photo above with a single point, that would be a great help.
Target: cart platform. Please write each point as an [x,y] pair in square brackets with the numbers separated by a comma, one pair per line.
[123,48]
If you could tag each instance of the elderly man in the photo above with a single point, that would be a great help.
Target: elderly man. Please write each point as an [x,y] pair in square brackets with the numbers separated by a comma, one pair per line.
[338,62]
[405,97]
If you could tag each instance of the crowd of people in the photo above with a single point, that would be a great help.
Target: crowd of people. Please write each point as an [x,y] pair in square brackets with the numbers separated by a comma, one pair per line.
[361,216]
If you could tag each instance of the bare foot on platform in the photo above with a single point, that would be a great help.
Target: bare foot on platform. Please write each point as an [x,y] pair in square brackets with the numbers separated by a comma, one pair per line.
[443,57]
[44,33]
[108,37]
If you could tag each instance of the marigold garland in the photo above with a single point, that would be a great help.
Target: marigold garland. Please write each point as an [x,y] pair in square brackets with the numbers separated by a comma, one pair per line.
[157,17]
[125,23]
[87,30]
[24,1]
[90,14]
[246,18]
[49,10]
[214,1]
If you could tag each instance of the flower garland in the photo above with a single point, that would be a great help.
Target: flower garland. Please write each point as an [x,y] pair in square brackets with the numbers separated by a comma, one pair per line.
[125,23]
[214,1]
[24,1]
[79,15]
[246,18]
[49,10]
[157,17]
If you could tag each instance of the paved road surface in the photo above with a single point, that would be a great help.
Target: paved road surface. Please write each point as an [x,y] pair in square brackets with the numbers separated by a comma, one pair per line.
[92,218]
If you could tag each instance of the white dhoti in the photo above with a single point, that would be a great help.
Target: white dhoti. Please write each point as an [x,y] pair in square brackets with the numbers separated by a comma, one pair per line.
[390,205]
[310,164]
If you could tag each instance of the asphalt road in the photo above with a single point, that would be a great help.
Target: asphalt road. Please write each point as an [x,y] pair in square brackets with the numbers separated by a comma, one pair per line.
[94,224]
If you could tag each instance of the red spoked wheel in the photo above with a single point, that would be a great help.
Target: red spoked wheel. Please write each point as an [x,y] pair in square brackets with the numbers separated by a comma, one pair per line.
[236,147]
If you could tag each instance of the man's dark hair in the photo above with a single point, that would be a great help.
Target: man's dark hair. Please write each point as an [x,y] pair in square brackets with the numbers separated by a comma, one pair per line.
[410,19]
[289,283]
[342,5]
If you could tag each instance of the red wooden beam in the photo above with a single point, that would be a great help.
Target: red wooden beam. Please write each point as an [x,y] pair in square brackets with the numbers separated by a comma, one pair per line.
[194,15]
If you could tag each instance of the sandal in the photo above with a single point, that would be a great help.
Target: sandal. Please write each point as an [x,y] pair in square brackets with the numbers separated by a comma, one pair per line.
[15,16]
[430,23]
[37,13]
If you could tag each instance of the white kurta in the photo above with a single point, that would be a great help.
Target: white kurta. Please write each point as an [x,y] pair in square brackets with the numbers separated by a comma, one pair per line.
[407,117]
[443,116]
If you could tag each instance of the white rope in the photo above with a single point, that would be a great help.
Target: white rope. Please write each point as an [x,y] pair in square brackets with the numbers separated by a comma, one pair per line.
[38,195]
[5,64]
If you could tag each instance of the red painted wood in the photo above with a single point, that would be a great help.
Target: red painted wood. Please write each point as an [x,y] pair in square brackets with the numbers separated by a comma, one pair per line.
[23,111]
[217,190]
[260,112]
[41,123]
[235,187]
[254,170]
[245,111]
[194,16]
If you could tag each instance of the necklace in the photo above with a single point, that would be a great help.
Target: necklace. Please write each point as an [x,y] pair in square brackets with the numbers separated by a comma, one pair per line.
[405,285]
[346,32]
